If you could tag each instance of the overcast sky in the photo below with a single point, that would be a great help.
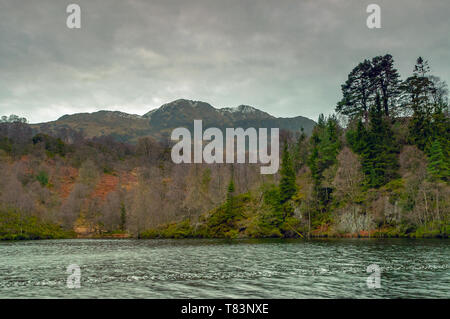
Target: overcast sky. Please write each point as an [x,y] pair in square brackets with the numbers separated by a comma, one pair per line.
[286,57]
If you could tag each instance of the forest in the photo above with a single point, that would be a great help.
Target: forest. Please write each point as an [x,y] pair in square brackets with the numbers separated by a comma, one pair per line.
[378,167]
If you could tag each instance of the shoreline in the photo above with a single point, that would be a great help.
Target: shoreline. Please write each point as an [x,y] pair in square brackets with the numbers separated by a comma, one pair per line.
[347,237]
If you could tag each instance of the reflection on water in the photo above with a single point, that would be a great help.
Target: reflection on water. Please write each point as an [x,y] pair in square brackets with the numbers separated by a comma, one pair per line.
[225,269]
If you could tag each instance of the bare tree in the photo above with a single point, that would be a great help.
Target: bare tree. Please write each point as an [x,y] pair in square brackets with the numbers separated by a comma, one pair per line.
[111,211]
[349,176]
[72,207]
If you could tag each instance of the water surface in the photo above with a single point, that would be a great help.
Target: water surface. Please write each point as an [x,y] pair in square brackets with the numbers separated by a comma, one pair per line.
[225,269]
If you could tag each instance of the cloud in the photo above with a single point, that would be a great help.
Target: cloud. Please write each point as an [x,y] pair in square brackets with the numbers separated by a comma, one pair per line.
[285,57]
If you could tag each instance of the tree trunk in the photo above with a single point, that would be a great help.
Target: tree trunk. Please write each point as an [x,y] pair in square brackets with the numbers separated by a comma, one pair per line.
[309,224]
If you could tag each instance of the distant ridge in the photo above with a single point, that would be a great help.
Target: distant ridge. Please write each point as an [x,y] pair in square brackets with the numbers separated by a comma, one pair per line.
[159,122]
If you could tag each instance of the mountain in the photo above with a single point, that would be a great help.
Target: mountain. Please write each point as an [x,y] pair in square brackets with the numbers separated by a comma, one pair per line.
[161,121]
[121,126]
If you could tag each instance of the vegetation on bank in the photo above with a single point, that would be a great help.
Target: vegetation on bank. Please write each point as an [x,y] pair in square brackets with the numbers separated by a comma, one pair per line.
[263,214]
[385,175]
[15,226]
[379,167]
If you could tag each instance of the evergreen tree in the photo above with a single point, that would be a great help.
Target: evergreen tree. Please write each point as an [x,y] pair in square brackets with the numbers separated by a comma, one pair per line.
[437,166]
[376,147]
[287,172]
[421,68]
[300,151]
[358,138]
[357,91]
[439,92]
[441,131]
[418,90]
[427,97]
[230,198]
[325,146]
[365,81]
[386,81]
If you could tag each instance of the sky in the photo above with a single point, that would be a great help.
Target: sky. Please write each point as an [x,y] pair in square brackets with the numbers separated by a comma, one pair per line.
[285,57]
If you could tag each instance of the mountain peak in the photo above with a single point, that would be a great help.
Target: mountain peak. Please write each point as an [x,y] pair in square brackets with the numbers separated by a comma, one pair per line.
[160,121]
[247,109]
[180,105]
[184,104]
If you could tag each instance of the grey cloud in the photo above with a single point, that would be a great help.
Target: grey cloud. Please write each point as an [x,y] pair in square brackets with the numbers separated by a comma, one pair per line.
[285,57]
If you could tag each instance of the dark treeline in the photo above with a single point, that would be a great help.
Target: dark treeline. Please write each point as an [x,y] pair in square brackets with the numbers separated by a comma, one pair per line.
[378,167]
[388,166]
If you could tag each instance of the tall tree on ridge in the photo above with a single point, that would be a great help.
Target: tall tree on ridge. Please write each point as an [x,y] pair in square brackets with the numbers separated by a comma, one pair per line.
[418,89]
[386,81]
[357,91]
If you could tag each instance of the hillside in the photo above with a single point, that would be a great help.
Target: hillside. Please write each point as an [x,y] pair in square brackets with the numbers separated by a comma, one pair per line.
[160,122]
[385,173]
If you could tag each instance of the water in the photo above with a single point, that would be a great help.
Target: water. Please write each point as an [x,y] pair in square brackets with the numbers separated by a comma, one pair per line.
[225,269]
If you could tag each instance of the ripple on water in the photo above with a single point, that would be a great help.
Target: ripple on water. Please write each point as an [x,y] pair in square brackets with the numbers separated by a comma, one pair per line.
[223,269]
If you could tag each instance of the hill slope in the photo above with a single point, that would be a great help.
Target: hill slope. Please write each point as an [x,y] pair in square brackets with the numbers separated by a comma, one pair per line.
[159,122]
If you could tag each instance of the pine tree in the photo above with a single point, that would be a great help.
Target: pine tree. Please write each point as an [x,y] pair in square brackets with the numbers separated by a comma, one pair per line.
[287,172]
[418,89]
[376,147]
[230,198]
[365,81]
[386,81]
[421,68]
[358,138]
[357,91]
[437,166]
[441,129]
[421,129]
[325,146]
[300,151]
